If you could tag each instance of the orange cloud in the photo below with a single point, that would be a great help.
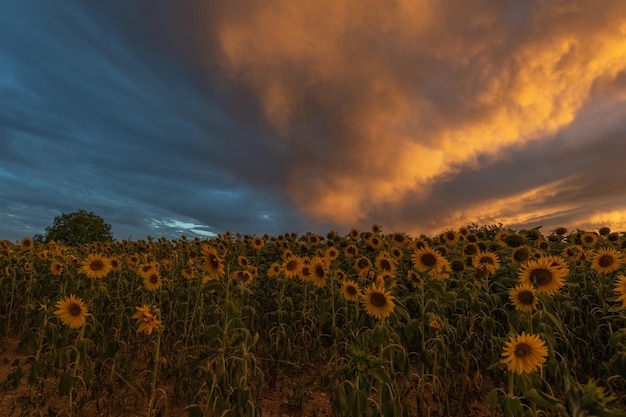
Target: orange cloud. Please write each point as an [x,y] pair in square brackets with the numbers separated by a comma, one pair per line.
[376,101]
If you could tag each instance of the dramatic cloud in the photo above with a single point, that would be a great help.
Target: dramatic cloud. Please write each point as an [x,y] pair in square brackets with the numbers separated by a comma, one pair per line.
[196,117]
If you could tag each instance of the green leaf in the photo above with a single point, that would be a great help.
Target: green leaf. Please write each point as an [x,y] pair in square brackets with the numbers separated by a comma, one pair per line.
[66,383]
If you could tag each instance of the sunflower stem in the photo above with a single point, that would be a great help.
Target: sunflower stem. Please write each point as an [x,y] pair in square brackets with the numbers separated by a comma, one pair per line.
[155,372]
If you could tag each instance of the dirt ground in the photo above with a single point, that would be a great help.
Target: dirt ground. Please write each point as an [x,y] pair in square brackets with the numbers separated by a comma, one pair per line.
[301,397]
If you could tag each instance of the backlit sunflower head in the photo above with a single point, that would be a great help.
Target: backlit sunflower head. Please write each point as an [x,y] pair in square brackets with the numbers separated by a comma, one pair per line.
[147,320]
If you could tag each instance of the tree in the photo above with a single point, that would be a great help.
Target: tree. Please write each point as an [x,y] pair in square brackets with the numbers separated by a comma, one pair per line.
[78,228]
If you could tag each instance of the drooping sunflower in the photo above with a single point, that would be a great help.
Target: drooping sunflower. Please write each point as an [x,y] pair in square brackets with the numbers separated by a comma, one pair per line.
[524,297]
[606,260]
[377,302]
[213,264]
[153,281]
[292,266]
[524,353]
[350,290]
[318,271]
[426,258]
[415,279]
[620,289]
[147,321]
[540,272]
[95,266]
[72,312]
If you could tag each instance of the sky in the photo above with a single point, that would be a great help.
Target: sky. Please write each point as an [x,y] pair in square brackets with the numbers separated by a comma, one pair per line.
[199,116]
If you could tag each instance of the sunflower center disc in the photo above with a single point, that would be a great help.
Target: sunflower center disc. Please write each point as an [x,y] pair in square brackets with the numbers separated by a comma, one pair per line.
[74,310]
[541,276]
[429,259]
[96,265]
[378,300]
[605,260]
[526,298]
[522,350]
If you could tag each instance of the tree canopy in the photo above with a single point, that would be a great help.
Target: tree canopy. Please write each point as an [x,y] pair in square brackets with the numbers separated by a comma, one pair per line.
[79,227]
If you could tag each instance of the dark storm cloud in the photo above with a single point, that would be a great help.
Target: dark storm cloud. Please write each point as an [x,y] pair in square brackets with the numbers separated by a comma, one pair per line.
[94,116]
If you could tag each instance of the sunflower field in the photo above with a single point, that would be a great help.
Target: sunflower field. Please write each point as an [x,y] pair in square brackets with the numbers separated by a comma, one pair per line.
[524,322]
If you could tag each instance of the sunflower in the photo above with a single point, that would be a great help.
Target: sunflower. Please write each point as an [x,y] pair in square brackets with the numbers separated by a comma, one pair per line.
[71,311]
[350,251]
[274,270]
[558,262]
[56,268]
[257,243]
[362,264]
[548,278]
[375,242]
[145,270]
[377,228]
[305,274]
[116,264]
[524,353]
[331,253]
[470,249]
[339,275]
[606,260]
[354,234]
[146,320]
[399,239]
[418,244]
[242,275]
[189,272]
[292,266]
[426,258]
[520,254]
[152,281]
[318,270]
[620,288]
[588,239]
[486,260]
[377,302]
[27,243]
[212,262]
[95,266]
[134,259]
[524,298]
[384,262]
[450,237]
[350,290]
